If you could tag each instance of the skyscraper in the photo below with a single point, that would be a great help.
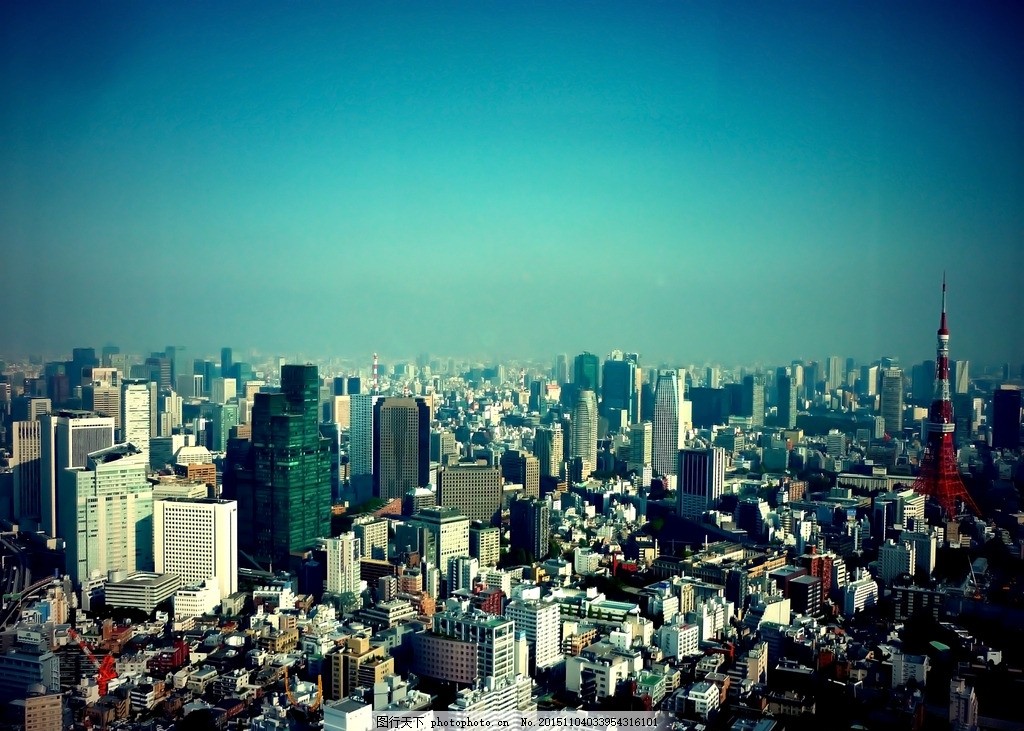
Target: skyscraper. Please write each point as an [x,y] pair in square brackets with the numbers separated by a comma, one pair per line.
[666,433]
[401,446]
[549,450]
[284,487]
[753,398]
[197,539]
[138,413]
[67,438]
[961,377]
[701,479]
[584,432]
[26,464]
[106,513]
[787,399]
[103,399]
[892,400]
[475,490]
[586,372]
[835,377]
[521,468]
[640,446]
[618,388]
[1006,405]
[226,362]
[360,449]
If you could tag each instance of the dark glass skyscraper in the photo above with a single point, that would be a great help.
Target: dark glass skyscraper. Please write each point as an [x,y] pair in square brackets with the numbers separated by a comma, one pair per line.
[401,446]
[618,388]
[284,488]
[586,372]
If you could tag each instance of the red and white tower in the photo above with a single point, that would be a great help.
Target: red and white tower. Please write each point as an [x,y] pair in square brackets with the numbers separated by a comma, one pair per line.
[940,477]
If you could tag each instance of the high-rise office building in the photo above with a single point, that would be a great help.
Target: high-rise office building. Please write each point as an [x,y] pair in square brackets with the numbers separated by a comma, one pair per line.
[584,432]
[138,413]
[360,449]
[226,361]
[641,447]
[961,377]
[787,389]
[67,438]
[443,447]
[284,487]
[586,372]
[223,390]
[549,450]
[474,489]
[892,400]
[667,427]
[104,400]
[106,513]
[401,446]
[27,468]
[618,388]
[1006,419]
[922,383]
[197,539]
[439,534]
[710,407]
[753,398]
[835,374]
[521,468]
[530,527]
[701,479]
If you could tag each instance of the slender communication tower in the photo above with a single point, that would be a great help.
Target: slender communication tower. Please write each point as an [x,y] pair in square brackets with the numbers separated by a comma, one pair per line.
[939,477]
[376,376]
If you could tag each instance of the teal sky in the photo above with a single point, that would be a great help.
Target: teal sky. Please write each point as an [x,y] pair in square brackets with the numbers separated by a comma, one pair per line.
[733,182]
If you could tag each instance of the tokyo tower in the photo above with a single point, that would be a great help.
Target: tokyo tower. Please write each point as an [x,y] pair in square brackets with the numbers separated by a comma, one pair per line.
[939,476]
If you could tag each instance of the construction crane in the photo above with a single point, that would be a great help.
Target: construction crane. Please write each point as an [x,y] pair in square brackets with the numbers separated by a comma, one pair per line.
[307,707]
[105,669]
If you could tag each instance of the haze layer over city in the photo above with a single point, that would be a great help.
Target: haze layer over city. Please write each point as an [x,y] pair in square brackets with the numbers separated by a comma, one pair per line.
[710,183]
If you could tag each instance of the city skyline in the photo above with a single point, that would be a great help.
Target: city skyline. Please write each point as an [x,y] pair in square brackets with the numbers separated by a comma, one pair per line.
[754,183]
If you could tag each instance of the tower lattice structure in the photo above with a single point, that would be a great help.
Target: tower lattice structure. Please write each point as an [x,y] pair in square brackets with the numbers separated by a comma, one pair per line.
[940,477]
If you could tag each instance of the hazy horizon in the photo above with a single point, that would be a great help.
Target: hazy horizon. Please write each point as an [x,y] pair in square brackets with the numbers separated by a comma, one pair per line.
[697,183]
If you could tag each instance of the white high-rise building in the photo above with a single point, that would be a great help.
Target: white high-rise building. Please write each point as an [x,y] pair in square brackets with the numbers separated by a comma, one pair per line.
[67,438]
[542,624]
[138,413]
[961,377]
[584,431]
[343,556]
[105,513]
[667,428]
[701,480]
[223,390]
[197,539]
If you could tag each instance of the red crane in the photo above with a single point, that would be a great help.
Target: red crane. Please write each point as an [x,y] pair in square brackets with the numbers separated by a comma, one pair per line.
[105,669]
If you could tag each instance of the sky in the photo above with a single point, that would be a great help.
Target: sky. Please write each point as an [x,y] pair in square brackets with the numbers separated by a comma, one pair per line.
[729,182]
